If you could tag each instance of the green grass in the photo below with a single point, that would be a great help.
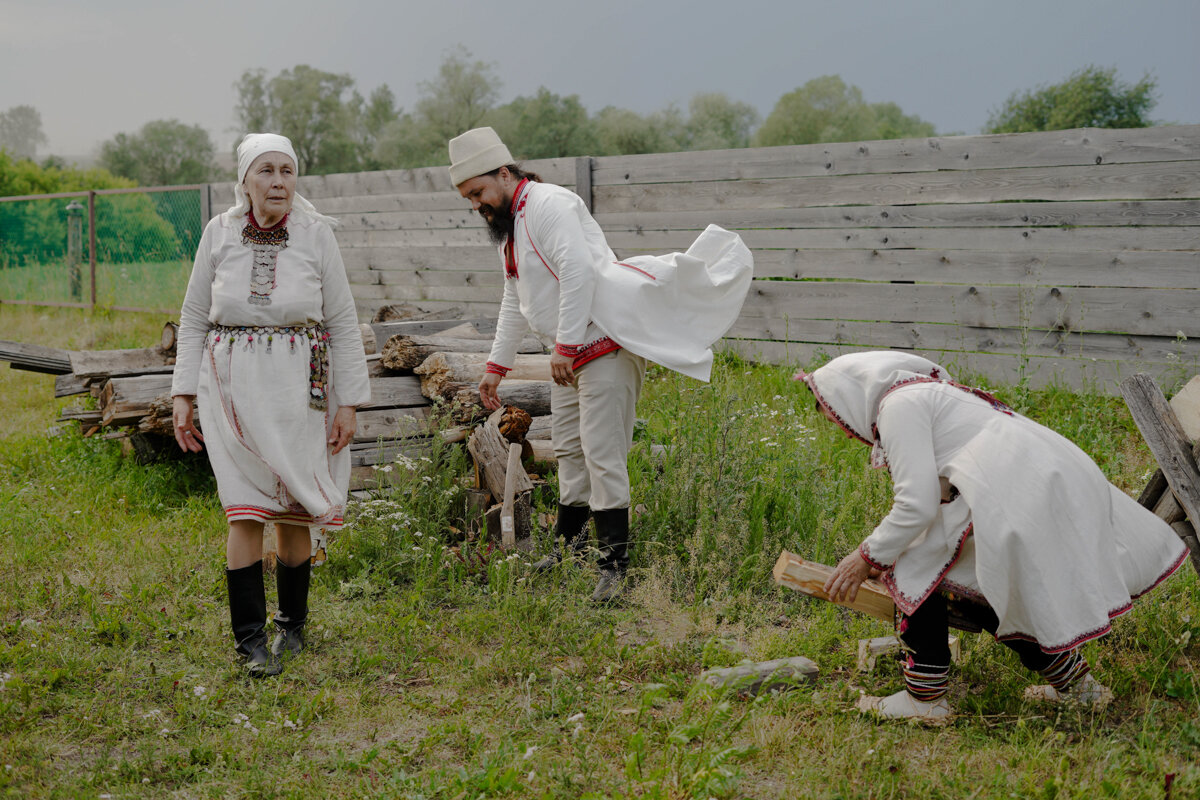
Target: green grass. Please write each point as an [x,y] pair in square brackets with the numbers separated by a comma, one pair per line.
[441,670]
[152,285]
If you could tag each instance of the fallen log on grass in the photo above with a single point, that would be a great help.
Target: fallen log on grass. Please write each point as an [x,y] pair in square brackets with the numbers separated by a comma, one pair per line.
[809,578]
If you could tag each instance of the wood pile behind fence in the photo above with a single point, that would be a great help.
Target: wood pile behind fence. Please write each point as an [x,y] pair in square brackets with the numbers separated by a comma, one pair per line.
[1069,256]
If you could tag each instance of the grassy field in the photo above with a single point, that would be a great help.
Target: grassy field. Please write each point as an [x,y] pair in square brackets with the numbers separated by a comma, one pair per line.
[149,285]
[437,670]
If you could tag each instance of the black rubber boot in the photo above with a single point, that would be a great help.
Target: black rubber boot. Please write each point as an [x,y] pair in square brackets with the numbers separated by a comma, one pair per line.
[570,528]
[292,583]
[612,534]
[248,616]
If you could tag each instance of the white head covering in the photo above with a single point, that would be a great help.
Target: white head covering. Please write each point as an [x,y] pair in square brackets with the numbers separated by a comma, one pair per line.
[853,385]
[476,152]
[254,145]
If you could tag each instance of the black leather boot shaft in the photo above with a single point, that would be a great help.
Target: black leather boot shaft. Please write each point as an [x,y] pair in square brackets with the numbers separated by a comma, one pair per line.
[571,526]
[612,535]
[292,583]
[248,618]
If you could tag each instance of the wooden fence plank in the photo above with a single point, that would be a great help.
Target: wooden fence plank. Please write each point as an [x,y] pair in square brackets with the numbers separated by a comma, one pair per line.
[1147,312]
[976,215]
[417,238]
[1037,373]
[493,278]
[1153,181]
[449,219]
[1019,240]
[398,257]
[1077,147]
[961,338]
[1167,270]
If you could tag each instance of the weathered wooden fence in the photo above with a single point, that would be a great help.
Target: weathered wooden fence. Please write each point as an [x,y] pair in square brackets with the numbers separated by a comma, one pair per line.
[1068,255]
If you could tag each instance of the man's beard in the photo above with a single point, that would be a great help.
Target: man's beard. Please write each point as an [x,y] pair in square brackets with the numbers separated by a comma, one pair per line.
[500,224]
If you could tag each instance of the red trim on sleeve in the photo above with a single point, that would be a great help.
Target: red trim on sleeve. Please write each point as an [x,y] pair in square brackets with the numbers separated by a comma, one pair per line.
[495,369]
[568,350]
[866,556]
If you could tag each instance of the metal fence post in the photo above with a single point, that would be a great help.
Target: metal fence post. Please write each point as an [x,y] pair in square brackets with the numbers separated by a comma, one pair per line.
[92,241]
[75,247]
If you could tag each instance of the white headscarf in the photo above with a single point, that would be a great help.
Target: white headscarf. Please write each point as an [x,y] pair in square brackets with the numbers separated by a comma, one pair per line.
[853,385]
[254,145]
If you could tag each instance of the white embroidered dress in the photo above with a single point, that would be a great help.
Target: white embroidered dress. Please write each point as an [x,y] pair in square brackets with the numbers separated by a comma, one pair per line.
[253,364]
[1035,531]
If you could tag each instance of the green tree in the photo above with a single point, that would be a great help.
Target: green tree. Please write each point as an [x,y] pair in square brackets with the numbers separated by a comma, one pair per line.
[827,109]
[715,122]
[163,153]
[620,131]
[1089,98]
[456,100]
[319,111]
[21,131]
[546,125]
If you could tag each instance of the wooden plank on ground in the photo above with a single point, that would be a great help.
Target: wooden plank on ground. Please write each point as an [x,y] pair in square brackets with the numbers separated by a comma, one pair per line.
[1168,443]
[36,357]
[396,391]
[124,401]
[1151,181]
[1081,146]
[115,363]
[808,577]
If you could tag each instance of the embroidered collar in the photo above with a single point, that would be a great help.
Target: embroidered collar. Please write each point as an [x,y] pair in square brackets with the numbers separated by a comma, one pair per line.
[510,249]
[275,227]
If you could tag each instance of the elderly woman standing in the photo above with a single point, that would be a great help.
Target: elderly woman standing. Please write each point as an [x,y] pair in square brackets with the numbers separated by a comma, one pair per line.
[270,349]
[998,524]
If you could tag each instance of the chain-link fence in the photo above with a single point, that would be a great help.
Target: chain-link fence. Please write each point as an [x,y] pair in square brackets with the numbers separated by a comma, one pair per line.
[128,249]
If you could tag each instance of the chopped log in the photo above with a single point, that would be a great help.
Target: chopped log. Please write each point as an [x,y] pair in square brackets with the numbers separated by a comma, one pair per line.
[124,401]
[522,521]
[764,676]
[532,396]
[441,369]
[490,451]
[808,577]
[1186,405]
[1167,508]
[370,346]
[1167,441]
[119,363]
[68,384]
[1154,490]
[35,357]
[508,531]
[168,339]
[871,649]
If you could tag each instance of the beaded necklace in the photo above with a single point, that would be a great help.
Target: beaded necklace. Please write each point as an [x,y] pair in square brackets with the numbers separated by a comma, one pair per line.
[264,244]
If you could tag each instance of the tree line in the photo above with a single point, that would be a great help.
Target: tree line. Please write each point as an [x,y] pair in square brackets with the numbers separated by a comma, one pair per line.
[334,128]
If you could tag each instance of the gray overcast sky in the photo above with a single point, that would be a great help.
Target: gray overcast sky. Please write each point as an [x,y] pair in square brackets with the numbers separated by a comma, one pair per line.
[94,69]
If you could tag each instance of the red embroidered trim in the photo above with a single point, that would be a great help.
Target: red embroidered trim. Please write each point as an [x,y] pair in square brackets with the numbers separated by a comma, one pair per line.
[510,250]
[910,604]
[637,269]
[824,404]
[333,518]
[600,347]
[1166,574]
[866,556]
[496,369]
[537,252]
[568,350]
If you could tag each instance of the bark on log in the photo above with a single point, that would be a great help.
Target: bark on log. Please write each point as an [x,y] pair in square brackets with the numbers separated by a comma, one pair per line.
[407,352]
[442,369]
[809,577]
[532,396]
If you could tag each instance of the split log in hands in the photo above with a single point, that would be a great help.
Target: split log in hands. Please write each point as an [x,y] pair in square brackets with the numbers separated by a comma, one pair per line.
[809,578]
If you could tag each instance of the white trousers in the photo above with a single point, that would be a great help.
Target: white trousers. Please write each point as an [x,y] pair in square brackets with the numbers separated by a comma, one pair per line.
[593,430]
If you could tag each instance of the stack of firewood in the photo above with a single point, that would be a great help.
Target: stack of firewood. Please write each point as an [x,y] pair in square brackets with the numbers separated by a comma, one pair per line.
[422,362]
